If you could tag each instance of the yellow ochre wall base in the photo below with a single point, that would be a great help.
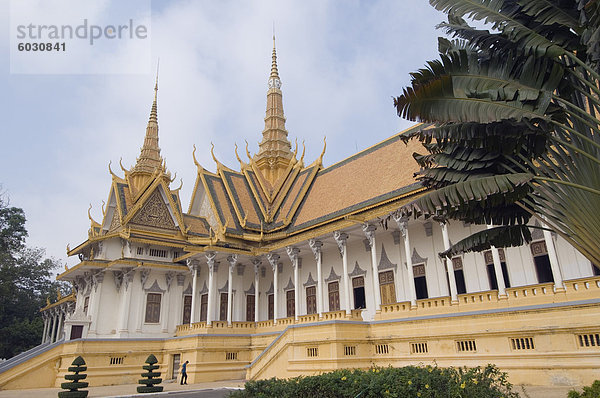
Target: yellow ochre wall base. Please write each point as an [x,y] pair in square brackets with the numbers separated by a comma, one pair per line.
[538,335]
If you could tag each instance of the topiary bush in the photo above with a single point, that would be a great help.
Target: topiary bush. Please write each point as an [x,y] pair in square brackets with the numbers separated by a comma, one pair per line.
[73,385]
[410,381]
[148,384]
[592,391]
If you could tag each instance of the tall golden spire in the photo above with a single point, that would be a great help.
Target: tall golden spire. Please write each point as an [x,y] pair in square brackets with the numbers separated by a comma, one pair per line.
[275,151]
[150,159]
[149,162]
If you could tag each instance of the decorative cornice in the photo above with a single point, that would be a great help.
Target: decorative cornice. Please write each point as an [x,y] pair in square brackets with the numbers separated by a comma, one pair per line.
[417,259]
[357,271]
[310,281]
[225,288]
[289,286]
[332,276]
[369,230]
[315,246]
[293,255]
[188,290]
[155,288]
[251,290]
[340,239]
[232,260]
[273,259]
[384,262]
[271,289]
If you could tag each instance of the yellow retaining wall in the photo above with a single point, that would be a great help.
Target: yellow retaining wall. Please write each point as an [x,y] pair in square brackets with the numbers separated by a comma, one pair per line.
[480,329]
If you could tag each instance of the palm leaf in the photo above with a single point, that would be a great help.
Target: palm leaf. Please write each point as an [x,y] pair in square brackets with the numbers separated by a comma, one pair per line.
[458,89]
[504,17]
[503,236]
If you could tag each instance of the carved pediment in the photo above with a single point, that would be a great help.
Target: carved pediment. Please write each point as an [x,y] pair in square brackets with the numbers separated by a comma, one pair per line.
[384,262]
[154,213]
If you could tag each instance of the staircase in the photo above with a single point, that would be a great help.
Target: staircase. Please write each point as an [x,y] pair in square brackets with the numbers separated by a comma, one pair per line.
[26,355]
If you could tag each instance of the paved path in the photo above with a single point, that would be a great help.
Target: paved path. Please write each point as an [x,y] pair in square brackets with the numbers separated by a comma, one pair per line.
[205,390]
[220,389]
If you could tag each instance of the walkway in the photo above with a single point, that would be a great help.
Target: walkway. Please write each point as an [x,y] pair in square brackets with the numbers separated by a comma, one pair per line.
[126,390]
[129,390]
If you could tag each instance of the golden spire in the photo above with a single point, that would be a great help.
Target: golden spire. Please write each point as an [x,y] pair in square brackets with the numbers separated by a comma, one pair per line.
[274,71]
[275,150]
[149,159]
[149,162]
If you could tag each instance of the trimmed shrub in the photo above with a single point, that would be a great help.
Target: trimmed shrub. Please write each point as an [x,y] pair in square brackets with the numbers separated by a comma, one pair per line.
[592,391]
[410,381]
[73,385]
[148,384]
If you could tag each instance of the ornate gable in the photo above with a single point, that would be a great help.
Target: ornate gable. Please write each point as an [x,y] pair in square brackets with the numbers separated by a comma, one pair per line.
[154,213]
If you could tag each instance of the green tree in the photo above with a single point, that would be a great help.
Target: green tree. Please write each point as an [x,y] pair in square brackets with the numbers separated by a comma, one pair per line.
[512,121]
[25,283]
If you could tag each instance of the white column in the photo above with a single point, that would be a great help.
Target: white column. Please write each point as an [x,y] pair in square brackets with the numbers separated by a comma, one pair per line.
[61,317]
[315,246]
[179,298]
[293,254]
[232,259]
[169,276]
[341,238]
[449,265]
[54,326]
[194,265]
[45,327]
[498,269]
[126,286]
[256,262]
[97,280]
[210,259]
[558,280]
[273,259]
[369,230]
[403,225]
[50,328]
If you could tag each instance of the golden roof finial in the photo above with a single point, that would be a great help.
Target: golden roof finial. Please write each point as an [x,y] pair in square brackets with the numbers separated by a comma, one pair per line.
[236,154]
[212,152]
[194,156]
[150,159]
[274,70]
[275,150]
[154,111]
[247,151]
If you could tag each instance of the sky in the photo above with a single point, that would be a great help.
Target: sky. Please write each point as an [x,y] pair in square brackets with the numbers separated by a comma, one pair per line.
[341,62]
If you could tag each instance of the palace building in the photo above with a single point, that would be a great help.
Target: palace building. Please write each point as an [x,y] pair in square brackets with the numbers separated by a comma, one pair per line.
[282,266]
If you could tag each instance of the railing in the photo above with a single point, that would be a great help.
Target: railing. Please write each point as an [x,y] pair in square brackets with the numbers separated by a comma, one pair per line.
[268,326]
[576,289]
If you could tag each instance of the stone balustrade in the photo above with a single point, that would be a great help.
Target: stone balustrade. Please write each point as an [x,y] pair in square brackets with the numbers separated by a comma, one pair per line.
[543,293]
[267,326]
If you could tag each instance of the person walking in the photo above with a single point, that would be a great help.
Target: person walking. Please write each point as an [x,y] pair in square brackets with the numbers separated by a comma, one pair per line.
[184,372]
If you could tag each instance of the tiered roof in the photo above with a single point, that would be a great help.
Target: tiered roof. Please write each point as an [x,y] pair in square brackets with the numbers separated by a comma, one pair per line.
[272,199]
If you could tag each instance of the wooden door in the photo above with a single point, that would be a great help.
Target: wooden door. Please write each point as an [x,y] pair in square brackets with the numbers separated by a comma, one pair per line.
[271,306]
[311,300]
[334,296]
[290,303]
[249,308]
[187,309]
[223,307]
[203,307]
[387,287]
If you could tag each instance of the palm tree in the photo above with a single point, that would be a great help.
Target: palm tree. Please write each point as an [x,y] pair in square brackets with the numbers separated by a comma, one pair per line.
[511,121]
